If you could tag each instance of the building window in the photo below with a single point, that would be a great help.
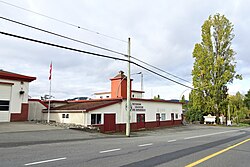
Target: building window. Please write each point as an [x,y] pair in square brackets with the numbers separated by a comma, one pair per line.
[107,96]
[4,105]
[176,116]
[96,119]
[65,115]
[163,116]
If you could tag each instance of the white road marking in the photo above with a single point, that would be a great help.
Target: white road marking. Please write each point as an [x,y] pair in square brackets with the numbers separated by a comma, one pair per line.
[143,145]
[171,141]
[116,149]
[211,134]
[45,161]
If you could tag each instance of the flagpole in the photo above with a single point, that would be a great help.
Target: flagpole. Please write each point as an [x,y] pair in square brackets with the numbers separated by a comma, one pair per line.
[50,74]
[49,100]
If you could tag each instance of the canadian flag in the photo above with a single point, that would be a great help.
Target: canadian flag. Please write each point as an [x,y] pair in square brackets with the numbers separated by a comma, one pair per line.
[50,71]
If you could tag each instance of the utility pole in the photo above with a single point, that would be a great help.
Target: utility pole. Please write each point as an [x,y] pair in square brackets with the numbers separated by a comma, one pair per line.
[141,81]
[128,94]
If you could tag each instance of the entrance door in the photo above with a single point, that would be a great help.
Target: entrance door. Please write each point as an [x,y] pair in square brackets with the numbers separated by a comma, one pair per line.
[172,118]
[140,121]
[109,122]
[158,121]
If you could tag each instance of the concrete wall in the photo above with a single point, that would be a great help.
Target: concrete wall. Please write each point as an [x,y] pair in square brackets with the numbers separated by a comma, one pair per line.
[35,110]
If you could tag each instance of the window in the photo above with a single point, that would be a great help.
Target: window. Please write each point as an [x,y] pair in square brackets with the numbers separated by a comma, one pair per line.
[176,116]
[96,118]
[4,105]
[65,115]
[107,96]
[163,116]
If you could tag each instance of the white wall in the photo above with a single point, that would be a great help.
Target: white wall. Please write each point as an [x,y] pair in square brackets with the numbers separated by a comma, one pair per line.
[150,108]
[74,118]
[17,99]
[112,109]
[136,95]
[102,96]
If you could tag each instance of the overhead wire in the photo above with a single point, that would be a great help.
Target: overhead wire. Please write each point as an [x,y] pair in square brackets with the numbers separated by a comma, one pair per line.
[64,22]
[89,44]
[91,53]
[159,69]
[62,36]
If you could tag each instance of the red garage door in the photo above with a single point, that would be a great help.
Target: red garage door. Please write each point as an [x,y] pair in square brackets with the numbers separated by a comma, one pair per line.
[109,122]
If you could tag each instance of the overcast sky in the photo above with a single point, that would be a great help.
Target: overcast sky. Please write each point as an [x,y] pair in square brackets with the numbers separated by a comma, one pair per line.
[163,33]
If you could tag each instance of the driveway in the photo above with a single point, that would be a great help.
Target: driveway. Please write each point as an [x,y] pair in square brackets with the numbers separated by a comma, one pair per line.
[14,134]
[24,127]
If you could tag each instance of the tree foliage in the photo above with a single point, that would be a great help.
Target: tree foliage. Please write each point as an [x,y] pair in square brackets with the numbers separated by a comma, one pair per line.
[247,100]
[238,110]
[214,66]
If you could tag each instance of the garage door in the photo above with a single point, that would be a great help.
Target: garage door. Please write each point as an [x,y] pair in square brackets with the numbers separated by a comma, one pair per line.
[5,91]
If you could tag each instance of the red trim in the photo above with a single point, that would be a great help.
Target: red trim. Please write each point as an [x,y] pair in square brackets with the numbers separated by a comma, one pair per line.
[94,100]
[14,76]
[6,83]
[101,93]
[40,101]
[23,116]
[63,111]
[56,101]
[121,127]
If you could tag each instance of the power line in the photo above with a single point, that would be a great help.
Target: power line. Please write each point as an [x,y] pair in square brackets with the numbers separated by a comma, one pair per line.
[62,36]
[64,22]
[60,46]
[91,53]
[160,69]
[99,47]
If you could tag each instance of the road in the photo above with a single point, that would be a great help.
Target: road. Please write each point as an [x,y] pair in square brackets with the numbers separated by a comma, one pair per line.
[181,146]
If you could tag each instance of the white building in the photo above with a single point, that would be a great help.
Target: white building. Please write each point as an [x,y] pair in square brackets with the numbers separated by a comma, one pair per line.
[14,89]
[109,112]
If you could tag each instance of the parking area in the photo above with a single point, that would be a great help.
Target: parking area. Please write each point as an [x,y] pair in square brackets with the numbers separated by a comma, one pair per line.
[6,127]
[14,134]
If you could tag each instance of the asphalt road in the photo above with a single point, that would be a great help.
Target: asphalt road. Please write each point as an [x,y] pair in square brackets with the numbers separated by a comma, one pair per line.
[181,146]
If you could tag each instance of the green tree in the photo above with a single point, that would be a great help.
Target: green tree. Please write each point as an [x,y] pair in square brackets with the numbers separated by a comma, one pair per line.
[214,66]
[247,100]
[237,107]
[184,106]
[157,97]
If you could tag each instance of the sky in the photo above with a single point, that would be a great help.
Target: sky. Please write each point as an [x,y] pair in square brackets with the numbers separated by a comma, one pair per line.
[163,33]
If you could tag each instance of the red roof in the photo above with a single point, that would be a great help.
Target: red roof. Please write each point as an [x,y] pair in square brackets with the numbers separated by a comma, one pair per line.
[14,76]
[40,101]
[87,105]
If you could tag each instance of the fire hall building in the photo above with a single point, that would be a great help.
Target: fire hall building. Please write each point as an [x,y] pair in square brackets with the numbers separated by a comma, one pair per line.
[108,110]
[14,89]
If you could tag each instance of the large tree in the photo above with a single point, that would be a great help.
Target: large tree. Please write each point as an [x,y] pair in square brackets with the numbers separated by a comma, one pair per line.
[247,100]
[214,66]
